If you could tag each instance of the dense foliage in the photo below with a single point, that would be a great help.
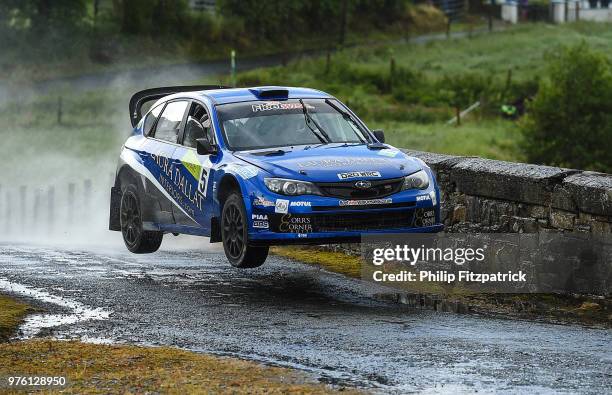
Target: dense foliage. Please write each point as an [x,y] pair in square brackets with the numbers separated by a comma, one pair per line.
[569,123]
[60,28]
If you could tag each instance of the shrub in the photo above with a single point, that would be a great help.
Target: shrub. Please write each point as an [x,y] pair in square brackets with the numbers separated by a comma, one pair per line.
[424,18]
[569,123]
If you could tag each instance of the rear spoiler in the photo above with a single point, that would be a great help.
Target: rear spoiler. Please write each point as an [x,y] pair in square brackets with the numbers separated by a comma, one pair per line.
[147,95]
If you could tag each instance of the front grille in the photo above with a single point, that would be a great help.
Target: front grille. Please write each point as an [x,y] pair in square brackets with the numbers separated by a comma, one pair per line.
[339,222]
[347,189]
[363,221]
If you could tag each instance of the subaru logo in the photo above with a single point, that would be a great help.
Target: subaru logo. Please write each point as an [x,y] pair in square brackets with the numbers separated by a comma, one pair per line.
[363,184]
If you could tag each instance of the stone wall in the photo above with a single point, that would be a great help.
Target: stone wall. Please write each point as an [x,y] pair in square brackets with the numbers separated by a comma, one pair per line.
[486,195]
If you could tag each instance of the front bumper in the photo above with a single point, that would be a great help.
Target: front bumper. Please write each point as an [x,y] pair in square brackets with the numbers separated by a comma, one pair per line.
[325,220]
[272,238]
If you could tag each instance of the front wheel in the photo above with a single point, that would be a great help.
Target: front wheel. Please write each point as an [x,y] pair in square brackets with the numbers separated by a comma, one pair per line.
[234,232]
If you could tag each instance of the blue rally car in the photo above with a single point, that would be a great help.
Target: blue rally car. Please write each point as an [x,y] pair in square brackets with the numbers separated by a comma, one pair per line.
[255,167]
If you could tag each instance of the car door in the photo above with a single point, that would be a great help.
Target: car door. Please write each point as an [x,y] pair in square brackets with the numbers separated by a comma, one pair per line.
[195,170]
[159,147]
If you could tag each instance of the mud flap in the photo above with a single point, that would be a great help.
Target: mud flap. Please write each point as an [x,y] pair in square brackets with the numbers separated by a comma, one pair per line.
[115,206]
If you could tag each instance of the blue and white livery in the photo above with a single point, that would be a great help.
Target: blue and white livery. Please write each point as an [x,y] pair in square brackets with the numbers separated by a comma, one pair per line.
[255,167]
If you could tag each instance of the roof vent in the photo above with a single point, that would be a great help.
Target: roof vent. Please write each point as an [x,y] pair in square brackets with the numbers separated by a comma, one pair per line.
[270,92]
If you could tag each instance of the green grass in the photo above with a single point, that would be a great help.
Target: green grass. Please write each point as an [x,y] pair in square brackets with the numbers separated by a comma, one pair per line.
[337,262]
[521,49]
[494,139]
[104,369]
[12,313]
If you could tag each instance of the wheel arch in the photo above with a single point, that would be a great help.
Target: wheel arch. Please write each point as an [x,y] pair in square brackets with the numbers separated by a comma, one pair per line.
[125,176]
[228,184]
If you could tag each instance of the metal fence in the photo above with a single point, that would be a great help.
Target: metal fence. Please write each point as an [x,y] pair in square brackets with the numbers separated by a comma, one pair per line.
[455,10]
[28,211]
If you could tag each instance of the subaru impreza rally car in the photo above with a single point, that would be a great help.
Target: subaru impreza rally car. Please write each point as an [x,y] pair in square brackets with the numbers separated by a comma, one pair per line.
[262,166]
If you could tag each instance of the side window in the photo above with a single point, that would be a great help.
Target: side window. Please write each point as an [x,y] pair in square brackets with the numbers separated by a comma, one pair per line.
[151,118]
[170,121]
[198,126]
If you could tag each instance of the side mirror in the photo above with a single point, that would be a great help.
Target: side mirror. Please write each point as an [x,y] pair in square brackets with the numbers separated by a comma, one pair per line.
[379,134]
[204,147]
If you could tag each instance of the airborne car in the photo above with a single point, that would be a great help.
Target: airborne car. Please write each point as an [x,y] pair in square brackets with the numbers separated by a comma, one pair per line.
[262,166]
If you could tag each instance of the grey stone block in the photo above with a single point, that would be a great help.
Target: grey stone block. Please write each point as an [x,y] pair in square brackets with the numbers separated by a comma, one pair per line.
[432,159]
[516,182]
[562,219]
[587,191]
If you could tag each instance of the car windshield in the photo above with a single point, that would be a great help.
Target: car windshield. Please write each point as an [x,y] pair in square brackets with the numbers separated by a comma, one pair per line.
[267,124]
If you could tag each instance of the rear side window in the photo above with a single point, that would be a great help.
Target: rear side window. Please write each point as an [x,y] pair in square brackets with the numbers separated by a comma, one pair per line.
[151,118]
[170,120]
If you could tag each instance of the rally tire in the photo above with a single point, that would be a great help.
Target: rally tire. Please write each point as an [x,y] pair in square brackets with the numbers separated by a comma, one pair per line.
[136,239]
[234,233]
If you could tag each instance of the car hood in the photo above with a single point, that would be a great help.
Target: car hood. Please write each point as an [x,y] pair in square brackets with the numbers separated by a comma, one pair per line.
[333,163]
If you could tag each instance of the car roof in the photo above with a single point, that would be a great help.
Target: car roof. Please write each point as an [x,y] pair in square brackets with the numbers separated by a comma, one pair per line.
[237,95]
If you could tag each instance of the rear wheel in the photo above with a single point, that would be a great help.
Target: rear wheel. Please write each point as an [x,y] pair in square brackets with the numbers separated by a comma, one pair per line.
[136,239]
[234,232]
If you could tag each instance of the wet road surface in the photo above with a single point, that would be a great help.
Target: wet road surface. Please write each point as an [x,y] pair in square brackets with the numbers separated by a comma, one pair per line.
[295,315]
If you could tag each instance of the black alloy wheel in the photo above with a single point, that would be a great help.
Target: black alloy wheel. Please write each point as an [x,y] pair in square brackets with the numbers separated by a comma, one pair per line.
[234,232]
[136,239]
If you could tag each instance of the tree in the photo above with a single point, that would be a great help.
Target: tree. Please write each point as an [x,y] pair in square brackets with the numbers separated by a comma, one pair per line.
[45,15]
[569,122]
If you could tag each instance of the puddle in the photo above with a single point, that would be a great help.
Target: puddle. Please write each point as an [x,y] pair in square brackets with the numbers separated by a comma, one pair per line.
[34,323]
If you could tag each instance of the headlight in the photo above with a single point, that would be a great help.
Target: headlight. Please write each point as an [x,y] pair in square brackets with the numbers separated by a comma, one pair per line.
[418,180]
[291,187]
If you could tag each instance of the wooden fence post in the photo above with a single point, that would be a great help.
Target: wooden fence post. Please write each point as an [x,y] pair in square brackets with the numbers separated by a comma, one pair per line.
[59,111]
[50,208]
[71,190]
[458,112]
[23,195]
[36,209]
[86,197]
[391,73]
[508,84]
[8,212]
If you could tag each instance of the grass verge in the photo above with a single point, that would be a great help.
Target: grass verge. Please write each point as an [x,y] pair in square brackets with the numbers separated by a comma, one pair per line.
[337,262]
[488,138]
[93,368]
[12,313]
